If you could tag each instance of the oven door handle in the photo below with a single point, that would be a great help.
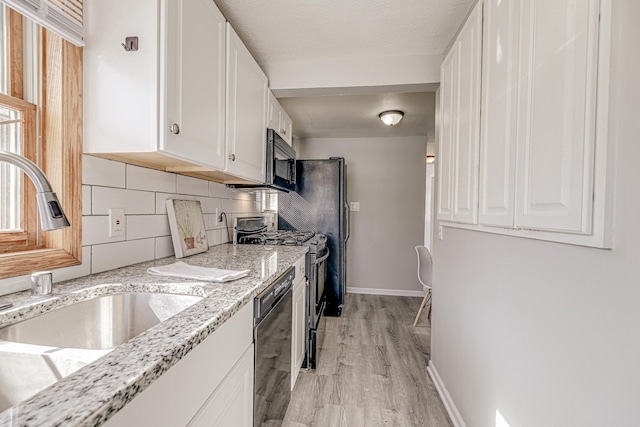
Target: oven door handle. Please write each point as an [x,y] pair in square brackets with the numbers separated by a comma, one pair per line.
[323,257]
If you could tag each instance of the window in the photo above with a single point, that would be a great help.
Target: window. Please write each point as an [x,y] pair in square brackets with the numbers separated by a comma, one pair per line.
[18,227]
[40,90]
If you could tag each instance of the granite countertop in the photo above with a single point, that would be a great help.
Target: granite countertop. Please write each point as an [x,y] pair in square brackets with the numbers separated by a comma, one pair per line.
[95,392]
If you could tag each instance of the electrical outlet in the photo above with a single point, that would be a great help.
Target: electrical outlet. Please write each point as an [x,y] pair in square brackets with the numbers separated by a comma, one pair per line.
[116,222]
[219,217]
[354,206]
[441,232]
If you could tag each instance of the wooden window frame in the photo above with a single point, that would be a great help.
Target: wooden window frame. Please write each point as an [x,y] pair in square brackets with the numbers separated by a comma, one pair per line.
[60,130]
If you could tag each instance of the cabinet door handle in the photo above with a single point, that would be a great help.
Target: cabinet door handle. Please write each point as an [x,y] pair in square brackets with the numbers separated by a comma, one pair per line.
[174,128]
[232,157]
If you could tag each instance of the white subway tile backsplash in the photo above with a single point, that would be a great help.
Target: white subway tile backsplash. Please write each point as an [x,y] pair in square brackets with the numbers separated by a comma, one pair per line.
[193,186]
[232,206]
[115,255]
[150,179]
[209,204]
[86,200]
[132,201]
[95,231]
[73,272]
[164,247]
[97,171]
[145,226]
[222,191]
[142,193]
[213,237]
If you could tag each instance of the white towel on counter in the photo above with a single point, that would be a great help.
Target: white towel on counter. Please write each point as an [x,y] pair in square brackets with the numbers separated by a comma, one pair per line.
[207,274]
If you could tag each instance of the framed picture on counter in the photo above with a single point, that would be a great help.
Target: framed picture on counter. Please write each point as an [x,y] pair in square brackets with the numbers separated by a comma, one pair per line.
[187,227]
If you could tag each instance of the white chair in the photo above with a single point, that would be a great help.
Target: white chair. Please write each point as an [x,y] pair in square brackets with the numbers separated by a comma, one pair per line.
[425,268]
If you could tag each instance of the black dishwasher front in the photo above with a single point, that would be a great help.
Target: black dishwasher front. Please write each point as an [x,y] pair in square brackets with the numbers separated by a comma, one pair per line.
[272,336]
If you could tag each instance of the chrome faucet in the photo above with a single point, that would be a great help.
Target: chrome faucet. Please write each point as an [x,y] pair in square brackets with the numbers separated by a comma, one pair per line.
[52,216]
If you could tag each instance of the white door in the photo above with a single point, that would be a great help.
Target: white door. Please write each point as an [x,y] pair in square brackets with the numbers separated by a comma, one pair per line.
[448,118]
[194,82]
[499,112]
[556,119]
[247,88]
[466,151]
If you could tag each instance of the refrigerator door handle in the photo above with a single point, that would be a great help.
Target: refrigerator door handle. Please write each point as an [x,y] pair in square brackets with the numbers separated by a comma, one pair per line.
[348,217]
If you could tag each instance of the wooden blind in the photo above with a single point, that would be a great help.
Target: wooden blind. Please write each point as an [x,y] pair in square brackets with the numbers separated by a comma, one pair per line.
[63,17]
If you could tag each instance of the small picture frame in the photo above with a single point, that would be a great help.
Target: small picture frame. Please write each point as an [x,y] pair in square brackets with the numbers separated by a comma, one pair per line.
[187,227]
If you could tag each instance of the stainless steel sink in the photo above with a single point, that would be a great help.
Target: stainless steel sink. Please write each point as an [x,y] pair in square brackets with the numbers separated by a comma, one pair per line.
[37,352]
[100,323]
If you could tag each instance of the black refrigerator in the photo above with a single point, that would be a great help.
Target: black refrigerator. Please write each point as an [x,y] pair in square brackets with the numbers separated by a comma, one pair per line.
[320,204]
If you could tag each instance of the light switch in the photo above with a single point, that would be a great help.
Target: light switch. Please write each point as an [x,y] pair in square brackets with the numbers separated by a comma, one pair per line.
[354,206]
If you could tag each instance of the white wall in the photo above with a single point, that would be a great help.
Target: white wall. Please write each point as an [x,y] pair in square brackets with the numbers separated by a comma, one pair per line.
[387,177]
[546,333]
[142,193]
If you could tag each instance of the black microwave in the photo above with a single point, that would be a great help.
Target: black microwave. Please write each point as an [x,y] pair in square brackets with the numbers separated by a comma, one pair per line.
[280,166]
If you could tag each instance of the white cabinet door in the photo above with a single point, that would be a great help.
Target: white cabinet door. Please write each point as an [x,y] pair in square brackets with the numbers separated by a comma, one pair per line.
[448,114]
[232,402]
[185,390]
[499,111]
[194,63]
[247,89]
[287,127]
[298,328]
[557,114]
[466,145]
[274,113]
[278,119]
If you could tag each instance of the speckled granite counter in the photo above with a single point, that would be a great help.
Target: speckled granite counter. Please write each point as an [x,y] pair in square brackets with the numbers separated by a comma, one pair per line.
[89,396]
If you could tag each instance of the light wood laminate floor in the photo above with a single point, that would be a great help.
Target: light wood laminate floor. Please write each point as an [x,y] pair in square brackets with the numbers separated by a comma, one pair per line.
[372,370]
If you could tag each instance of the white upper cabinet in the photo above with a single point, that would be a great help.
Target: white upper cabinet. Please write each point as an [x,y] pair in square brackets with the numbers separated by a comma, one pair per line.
[247,89]
[163,104]
[467,138]
[557,114]
[278,119]
[544,164]
[460,125]
[448,119]
[195,81]
[499,109]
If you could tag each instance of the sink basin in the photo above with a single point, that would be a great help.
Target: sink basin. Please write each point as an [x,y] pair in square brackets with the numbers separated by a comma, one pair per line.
[100,323]
[37,352]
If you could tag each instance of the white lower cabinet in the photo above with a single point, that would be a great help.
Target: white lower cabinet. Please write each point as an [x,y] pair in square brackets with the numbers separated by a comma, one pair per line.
[298,341]
[211,385]
[232,402]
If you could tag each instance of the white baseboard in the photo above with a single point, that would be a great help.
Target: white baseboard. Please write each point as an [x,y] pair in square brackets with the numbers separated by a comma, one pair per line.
[388,292]
[449,404]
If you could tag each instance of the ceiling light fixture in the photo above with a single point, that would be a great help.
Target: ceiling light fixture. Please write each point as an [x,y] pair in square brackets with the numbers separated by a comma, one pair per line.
[391,117]
[431,158]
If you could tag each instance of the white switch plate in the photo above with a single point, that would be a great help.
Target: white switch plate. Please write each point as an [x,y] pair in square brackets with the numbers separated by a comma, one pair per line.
[354,206]
[116,222]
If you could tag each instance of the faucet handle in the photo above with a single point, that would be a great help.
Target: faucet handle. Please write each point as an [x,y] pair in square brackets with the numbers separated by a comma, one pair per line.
[41,283]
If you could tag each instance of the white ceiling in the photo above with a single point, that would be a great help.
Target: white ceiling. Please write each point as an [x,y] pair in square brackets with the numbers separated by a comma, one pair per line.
[313,31]
[355,116]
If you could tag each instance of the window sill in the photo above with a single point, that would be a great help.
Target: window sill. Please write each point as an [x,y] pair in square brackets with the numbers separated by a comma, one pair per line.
[17,264]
